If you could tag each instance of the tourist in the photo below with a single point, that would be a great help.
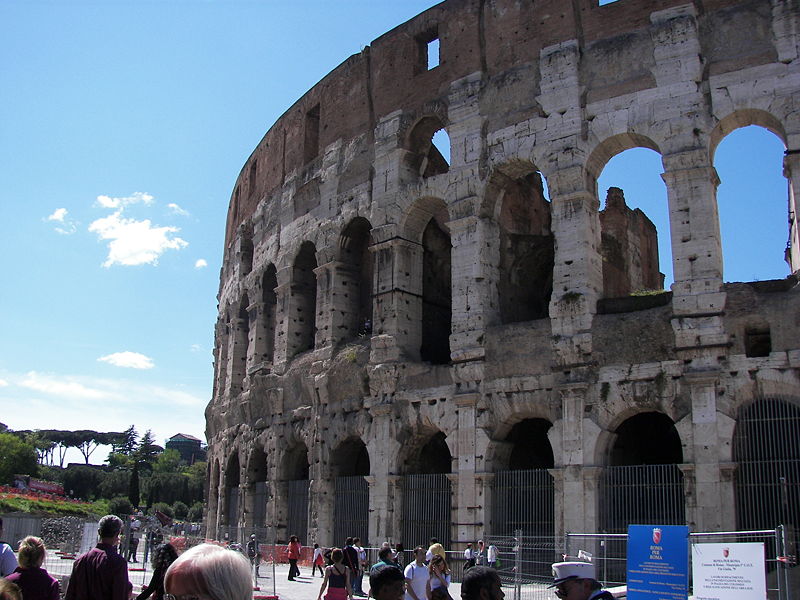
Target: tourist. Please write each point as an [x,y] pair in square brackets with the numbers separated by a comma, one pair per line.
[350,555]
[481,555]
[32,579]
[209,572]
[435,548]
[101,573]
[417,576]
[8,561]
[481,583]
[469,557]
[336,579]
[317,561]
[254,553]
[384,559]
[386,582]
[576,581]
[491,556]
[398,554]
[163,557]
[358,573]
[439,575]
[293,552]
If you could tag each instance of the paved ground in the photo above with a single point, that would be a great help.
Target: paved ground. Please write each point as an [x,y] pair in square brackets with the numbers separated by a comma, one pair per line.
[271,582]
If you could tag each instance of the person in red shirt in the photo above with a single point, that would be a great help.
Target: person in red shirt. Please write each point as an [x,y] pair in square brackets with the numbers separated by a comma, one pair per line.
[293,550]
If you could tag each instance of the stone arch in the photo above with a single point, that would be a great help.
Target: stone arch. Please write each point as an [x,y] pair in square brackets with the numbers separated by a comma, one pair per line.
[766,448]
[765,214]
[628,238]
[642,482]
[294,485]
[515,200]
[429,453]
[357,276]
[246,251]
[744,118]
[304,300]
[424,158]
[350,458]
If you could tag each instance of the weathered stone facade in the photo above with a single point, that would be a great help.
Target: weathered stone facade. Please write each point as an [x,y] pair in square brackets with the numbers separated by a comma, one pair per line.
[384,313]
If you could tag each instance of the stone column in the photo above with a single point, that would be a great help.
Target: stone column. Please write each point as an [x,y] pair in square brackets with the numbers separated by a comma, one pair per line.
[705,451]
[484,484]
[384,498]
[791,170]
[282,311]
[397,315]
[466,490]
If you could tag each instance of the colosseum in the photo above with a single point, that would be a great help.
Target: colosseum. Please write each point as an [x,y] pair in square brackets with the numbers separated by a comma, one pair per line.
[473,341]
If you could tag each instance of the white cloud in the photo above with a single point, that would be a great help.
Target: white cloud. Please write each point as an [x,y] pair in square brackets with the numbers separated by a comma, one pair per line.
[58,215]
[129,360]
[59,386]
[135,198]
[64,226]
[200,263]
[175,209]
[3,383]
[192,348]
[135,242]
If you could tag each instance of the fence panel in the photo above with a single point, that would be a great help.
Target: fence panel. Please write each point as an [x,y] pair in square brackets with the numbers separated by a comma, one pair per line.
[297,523]
[351,509]
[426,509]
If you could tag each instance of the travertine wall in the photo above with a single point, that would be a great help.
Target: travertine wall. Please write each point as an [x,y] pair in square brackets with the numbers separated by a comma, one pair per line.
[372,294]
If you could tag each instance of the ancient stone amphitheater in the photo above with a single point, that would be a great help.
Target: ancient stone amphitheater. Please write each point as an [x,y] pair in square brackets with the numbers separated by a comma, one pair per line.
[414,342]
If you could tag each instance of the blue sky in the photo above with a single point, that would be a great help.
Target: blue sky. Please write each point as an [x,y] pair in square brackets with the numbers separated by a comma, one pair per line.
[124,127]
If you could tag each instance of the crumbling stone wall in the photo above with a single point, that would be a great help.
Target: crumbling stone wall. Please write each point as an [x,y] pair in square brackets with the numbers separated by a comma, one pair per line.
[378,301]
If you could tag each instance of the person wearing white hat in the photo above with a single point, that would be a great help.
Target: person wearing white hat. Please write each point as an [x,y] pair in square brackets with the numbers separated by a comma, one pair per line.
[576,581]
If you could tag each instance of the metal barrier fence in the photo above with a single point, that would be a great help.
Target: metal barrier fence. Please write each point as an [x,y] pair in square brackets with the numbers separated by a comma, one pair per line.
[426,509]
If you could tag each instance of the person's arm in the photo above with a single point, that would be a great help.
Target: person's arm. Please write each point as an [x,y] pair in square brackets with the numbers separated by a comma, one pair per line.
[428,589]
[410,584]
[121,588]
[324,583]
[8,561]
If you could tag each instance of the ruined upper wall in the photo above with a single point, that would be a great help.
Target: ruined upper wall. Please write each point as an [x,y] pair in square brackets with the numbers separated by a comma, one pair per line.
[502,40]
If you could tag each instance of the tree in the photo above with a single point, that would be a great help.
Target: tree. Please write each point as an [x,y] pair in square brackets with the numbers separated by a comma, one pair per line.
[87,441]
[147,451]
[162,507]
[125,442]
[180,510]
[133,486]
[195,513]
[84,482]
[120,506]
[16,457]
[169,461]
[115,483]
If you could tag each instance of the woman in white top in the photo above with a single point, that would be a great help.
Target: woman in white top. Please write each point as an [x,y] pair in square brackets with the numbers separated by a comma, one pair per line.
[439,576]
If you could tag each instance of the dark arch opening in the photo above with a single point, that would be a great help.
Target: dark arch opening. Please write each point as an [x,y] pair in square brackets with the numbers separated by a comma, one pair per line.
[296,463]
[425,158]
[433,457]
[246,256]
[304,288]
[357,276]
[351,459]
[270,301]
[531,447]
[232,480]
[257,481]
[647,439]
[436,295]
[527,246]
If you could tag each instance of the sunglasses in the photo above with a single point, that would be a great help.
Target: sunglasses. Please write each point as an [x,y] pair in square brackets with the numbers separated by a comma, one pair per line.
[562,590]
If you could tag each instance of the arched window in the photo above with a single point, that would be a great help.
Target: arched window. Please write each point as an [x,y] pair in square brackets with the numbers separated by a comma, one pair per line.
[429,148]
[257,487]
[634,224]
[296,468]
[269,302]
[304,292]
[436,295]
[356,276]
[240,346]
[232,491]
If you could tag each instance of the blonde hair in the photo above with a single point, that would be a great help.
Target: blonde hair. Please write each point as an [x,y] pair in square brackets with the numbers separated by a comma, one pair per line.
[31,552]
[9,591]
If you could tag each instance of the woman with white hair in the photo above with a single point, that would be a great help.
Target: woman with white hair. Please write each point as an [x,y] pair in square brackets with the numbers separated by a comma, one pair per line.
[209,571]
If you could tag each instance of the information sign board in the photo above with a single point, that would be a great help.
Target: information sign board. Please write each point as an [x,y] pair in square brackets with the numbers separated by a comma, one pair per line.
[729,571]
[658,562]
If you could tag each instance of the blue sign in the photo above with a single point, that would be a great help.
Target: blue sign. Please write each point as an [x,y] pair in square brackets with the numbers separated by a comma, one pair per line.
[658,562]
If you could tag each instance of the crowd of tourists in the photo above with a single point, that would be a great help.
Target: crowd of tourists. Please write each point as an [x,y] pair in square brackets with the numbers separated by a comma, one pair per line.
[213,572]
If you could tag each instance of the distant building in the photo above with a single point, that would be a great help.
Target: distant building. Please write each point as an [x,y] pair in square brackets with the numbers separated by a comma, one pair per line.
[191,448]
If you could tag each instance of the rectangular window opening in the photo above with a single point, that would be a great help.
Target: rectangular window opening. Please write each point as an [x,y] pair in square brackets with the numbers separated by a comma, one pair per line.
[428,50]
[311,146]
[253,176]
[757,342]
